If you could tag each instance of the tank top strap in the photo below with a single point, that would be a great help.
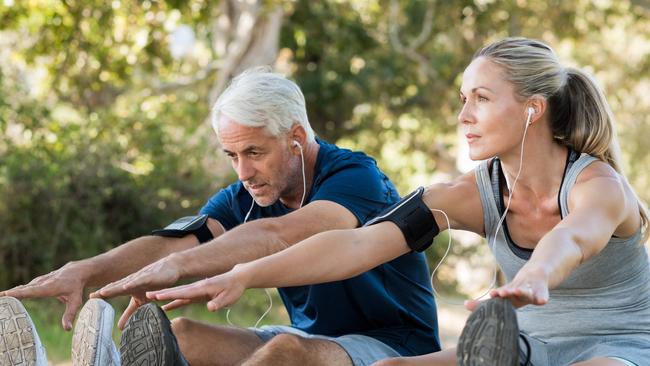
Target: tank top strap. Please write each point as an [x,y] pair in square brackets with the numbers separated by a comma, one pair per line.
[570,179]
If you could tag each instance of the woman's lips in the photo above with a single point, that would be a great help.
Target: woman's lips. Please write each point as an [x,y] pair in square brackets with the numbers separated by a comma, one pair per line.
[471,137]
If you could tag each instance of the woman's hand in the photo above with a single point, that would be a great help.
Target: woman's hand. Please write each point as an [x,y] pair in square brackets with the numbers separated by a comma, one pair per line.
[524,290]
[529,287]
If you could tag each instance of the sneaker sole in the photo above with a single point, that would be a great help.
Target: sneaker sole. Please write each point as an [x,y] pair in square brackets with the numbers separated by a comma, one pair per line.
[19,341]
[490,336]
[94,324]
[147,338]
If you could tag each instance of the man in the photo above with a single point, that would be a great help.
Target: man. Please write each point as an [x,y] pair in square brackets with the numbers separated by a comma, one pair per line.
[291,186]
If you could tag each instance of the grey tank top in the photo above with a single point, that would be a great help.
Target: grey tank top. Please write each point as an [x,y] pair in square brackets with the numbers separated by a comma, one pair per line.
[609,294]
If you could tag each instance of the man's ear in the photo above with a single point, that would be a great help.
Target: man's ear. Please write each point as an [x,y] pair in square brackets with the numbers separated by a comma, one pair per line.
[297,138]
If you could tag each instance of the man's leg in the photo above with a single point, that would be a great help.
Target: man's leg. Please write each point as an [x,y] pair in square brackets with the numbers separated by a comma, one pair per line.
[204,344]
[290,350]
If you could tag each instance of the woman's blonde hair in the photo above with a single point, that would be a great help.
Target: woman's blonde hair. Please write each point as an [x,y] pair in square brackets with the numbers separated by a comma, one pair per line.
[580,116]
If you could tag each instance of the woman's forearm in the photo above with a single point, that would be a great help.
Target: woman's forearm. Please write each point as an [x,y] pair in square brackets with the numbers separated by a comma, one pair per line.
[555,257]
[325,257]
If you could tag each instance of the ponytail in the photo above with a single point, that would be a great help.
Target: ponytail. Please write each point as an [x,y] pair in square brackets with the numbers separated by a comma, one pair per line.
[580,115]
[582,119]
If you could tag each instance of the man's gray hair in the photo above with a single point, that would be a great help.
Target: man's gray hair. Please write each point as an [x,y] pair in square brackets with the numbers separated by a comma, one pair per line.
[259,97]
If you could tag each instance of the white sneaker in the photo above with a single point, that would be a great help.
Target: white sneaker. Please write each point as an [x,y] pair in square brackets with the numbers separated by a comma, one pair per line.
[19,342]
[92,341]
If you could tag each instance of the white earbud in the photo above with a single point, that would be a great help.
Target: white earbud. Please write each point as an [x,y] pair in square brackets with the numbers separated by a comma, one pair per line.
[297,144]
[531,110]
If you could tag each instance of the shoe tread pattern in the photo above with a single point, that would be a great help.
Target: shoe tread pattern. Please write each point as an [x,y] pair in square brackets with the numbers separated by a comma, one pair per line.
[86,339]
[490,336]
[147,338]
[17,345]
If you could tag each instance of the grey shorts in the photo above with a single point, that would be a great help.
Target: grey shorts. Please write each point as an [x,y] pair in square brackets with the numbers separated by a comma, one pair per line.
[569,351]
[363,350]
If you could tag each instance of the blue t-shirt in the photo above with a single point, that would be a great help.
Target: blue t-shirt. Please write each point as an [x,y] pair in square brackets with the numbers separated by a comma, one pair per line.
[393,302]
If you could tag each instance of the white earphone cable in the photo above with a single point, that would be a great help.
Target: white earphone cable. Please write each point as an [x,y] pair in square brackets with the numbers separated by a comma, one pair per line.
[302,202]
[496,232]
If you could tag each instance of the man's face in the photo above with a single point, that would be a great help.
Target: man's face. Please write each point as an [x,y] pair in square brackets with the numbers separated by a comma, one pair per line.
[264,163]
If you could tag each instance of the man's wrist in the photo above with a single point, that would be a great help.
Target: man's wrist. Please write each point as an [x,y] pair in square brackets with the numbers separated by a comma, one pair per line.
[178,262]
[85,271]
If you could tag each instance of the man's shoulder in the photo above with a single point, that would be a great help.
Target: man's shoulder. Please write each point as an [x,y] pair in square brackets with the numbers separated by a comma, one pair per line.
[333,158]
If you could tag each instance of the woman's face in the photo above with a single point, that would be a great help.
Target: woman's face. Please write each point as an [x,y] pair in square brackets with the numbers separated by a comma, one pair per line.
[493,120]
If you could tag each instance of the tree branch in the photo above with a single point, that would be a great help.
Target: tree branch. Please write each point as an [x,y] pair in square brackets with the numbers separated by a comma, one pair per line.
[425,70]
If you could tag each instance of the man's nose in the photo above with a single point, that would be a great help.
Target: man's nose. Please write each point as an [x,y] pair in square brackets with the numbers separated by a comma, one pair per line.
[245,170]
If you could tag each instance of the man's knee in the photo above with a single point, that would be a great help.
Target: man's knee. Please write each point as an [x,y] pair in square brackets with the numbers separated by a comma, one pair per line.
[182,327]
[284,344]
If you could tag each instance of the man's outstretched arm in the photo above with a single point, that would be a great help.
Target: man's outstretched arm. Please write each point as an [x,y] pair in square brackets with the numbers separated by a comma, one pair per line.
[68,282]
[244,243]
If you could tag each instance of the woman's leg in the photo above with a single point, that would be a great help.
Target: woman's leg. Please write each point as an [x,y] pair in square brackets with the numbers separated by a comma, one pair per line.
[601,361]
[442,358]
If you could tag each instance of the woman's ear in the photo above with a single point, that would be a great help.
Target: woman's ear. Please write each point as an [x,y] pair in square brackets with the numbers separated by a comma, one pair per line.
[536,108]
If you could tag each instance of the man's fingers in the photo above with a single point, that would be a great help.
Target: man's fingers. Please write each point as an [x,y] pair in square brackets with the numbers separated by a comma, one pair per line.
[111,290]
[117,288]
[133,306]
[40,279]
[72,304]
[27,291]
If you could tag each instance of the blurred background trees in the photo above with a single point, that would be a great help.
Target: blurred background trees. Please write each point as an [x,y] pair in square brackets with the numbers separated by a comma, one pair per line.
[104,105]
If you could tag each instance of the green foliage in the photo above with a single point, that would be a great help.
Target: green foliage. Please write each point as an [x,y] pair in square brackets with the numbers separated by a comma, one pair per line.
[100,143]
[92,155]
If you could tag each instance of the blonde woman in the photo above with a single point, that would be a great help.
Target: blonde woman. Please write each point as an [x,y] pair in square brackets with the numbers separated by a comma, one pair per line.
[563,223]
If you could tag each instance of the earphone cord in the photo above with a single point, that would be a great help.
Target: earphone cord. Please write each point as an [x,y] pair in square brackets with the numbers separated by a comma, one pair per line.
[302,202]
[496,232]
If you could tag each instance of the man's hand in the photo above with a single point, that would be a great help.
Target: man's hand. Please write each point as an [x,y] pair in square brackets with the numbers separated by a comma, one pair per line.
[163,273]
[66,284]
[219,291]
[160,274]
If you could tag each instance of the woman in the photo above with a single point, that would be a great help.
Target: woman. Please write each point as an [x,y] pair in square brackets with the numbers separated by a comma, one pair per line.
[569,237]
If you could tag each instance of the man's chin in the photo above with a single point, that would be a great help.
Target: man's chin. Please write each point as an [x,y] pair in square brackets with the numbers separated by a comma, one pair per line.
[264,201]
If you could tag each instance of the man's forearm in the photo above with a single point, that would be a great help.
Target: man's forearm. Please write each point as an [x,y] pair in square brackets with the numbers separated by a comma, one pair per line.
[130,257]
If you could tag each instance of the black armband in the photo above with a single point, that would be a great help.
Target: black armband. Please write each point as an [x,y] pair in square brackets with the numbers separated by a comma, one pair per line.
[195,225]
[413,218]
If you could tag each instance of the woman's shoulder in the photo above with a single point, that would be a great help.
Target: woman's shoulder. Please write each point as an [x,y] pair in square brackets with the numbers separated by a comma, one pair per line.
[597,169]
